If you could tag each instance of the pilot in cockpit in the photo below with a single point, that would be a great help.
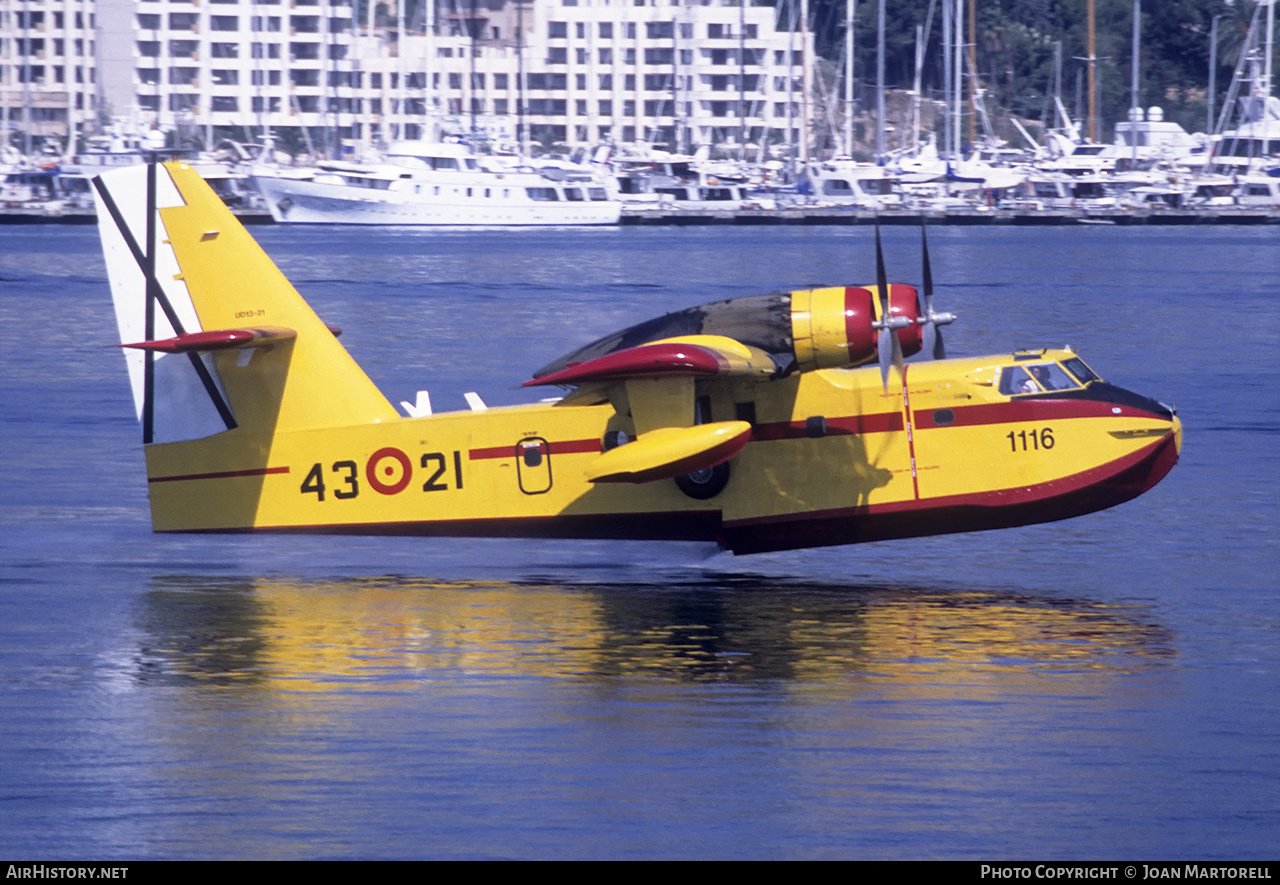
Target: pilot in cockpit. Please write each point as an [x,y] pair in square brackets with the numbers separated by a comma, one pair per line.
[1016,380]
[1041,374]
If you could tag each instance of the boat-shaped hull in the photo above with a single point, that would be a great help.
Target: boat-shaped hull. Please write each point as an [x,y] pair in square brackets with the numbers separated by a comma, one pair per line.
[506,201]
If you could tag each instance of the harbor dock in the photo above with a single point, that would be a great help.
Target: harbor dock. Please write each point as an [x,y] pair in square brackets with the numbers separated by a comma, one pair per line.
[802,215]
[820,215]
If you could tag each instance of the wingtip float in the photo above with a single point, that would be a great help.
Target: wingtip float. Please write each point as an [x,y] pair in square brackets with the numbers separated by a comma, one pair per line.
[747,422]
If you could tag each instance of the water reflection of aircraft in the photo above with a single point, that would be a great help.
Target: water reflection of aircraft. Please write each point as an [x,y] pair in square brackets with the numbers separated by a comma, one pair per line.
[744,422]
[378,631]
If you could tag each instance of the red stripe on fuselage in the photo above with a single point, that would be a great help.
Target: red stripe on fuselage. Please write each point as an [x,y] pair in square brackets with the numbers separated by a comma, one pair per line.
[564,447]
[883,422]
[1025,410]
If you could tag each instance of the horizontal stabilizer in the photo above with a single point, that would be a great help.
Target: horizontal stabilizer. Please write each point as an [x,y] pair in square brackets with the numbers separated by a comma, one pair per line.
[684,357]
[218,339]
[671,451]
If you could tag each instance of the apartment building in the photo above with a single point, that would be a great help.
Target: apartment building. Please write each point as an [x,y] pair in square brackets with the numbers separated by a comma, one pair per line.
[48,76]
[627,71]
[343,77]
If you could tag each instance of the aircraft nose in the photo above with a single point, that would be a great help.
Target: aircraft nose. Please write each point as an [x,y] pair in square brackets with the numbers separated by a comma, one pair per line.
[1177,433]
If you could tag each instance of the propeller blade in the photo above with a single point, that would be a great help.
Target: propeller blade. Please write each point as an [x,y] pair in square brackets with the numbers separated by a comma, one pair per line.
[927,270]
[882,280]
[887,344]
[931,319]
[884,345]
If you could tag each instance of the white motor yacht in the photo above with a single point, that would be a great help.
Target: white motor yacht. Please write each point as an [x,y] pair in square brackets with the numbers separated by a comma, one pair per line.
[429,183]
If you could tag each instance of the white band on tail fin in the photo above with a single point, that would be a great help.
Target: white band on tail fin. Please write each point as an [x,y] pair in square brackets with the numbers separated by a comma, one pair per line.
[178,396]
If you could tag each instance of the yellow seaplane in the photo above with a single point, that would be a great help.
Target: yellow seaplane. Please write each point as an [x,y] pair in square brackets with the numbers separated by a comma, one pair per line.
[747,422]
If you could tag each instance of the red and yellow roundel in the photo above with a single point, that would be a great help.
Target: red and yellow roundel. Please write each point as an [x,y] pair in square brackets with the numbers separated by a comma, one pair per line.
[389,471]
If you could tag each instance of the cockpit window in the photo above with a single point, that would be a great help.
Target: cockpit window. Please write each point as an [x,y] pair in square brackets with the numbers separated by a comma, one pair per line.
[1051,376]
[1035,378]
[1015,380]
[1083,373]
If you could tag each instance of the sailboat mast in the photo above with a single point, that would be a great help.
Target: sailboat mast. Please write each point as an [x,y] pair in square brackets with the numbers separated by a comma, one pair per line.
[973,69]
[957,76]
[914,143]
[806,81]
[470,91]
[947,147]
[1093,74]
[1270,44]
[848,78]
[521,129]
[791,80]
[1133,81]
[400,87]
[880,149]
[742,77]
[429,72]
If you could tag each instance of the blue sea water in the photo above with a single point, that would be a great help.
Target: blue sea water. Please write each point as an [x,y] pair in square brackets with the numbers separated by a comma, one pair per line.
[1104,687]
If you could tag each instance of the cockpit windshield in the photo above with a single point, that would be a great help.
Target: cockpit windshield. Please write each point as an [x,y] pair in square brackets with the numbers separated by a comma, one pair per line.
[1083,373]
[1041,377]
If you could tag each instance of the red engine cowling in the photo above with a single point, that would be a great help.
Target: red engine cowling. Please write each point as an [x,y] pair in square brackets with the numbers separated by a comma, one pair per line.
[834,327]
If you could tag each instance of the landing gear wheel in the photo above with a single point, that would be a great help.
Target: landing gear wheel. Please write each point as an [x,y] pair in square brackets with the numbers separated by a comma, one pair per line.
[704,484]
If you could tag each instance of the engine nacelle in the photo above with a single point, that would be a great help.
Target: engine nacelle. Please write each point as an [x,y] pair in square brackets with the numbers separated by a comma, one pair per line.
[835,327]
[826,328]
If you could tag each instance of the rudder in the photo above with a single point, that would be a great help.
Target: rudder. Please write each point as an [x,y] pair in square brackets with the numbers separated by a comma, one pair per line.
[223,354]
[180,265]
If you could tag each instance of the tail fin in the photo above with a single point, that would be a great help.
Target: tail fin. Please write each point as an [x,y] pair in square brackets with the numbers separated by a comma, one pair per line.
[216,338]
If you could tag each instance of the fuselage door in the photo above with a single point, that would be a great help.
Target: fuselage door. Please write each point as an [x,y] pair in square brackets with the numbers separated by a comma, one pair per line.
[533,465]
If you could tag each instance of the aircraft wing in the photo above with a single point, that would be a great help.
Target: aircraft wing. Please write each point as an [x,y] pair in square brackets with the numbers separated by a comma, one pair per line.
[655,383]
[656,373]
[688,356]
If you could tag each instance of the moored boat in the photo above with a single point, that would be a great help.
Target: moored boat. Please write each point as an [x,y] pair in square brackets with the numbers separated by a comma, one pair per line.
[428,183]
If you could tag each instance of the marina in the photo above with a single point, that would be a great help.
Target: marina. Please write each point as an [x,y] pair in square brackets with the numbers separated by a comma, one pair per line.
[1015,217]
[1261,206]
[228,631]
[1080,689]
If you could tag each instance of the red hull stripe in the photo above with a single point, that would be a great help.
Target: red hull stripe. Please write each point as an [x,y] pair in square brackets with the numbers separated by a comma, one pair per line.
[1026,410]
[998,498]
[885,422]
[225,474]
[962,416]
[565,447]
[1085,492]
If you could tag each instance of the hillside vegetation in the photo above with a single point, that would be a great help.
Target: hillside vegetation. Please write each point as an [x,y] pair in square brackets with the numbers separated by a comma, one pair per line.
[1015,54]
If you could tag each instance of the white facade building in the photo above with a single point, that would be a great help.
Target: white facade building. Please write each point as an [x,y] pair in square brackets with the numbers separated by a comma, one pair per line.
[47,70]
[680,73]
